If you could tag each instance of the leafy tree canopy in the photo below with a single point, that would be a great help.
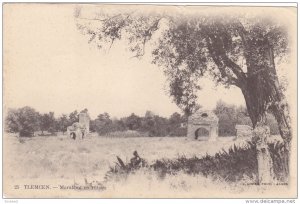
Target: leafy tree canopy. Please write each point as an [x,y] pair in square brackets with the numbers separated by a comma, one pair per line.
[238,49]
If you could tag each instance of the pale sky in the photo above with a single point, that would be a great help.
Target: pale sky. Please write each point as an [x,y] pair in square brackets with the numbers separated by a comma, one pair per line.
[50,66]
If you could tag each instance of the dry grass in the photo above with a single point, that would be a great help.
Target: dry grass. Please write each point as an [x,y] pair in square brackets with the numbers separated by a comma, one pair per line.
[60,160]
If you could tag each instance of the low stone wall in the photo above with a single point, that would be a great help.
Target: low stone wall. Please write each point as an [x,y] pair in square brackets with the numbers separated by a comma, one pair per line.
[244,131]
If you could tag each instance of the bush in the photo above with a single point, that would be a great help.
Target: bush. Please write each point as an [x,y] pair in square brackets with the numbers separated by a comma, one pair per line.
[122,169]
[233,165]
[279,156]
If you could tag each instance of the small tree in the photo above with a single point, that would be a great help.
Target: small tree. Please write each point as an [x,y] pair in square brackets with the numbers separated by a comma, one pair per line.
[12,121]
[104,117]
[73,117]
[23,120]
[147,123]
[62,123]
[133,122]
[103,124]
[175,118]
[47,122]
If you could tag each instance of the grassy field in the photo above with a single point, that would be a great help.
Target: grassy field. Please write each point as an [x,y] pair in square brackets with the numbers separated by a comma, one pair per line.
[58,160]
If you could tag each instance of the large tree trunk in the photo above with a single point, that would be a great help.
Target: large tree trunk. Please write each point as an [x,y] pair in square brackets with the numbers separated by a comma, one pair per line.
[260,134]
[257,106]
[262,93]
[279,110]
[260,87]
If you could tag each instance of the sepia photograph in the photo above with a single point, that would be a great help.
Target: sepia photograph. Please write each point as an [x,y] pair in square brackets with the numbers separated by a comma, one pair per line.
[149,101]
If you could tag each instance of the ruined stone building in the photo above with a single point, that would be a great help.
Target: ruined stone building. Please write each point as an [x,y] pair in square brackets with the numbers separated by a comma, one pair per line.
[81,129]
[203,125]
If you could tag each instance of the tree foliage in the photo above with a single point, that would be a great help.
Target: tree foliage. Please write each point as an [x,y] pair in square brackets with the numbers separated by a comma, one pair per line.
[62,123]
[240,50]
[23,120]
[231,115]
[47,122]
[27,120]
[73,117]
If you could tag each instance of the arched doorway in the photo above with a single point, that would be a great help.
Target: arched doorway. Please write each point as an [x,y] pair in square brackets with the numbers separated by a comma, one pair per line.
[73,135]
[201,132]
[203,125]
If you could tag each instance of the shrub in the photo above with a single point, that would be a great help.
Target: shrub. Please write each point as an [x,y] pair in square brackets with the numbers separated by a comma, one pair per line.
[279,157]
[233,165]
[122,169]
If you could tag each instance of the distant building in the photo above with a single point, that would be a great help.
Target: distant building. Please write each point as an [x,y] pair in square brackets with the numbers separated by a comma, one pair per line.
[203,122]
[84,119]
[81,129]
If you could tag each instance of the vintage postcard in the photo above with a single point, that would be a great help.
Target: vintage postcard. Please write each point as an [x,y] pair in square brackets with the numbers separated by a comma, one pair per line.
[149,101]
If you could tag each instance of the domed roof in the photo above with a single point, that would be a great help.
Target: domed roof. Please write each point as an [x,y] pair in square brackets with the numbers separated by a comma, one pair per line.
[204,116]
